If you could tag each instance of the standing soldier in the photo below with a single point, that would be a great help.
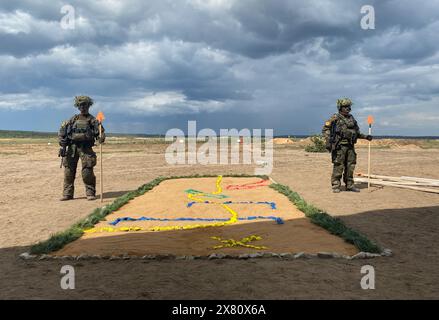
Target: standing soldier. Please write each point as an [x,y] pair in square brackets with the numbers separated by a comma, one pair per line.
[77,136]
[341,132]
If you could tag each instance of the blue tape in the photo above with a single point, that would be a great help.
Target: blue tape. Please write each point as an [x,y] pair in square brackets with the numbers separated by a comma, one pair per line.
[115,222]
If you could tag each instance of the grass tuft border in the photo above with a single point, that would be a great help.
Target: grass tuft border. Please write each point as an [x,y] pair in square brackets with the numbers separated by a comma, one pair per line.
[333,225]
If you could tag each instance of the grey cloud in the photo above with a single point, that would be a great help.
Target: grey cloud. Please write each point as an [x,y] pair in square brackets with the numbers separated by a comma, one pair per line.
[246,63]
[251,28]
[407,45]
[248,27]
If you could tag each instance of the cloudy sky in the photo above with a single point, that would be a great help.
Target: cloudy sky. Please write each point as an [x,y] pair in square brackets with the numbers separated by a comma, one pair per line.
[153,65]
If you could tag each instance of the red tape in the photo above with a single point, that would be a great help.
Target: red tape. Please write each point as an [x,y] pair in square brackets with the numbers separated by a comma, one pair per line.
[250,185]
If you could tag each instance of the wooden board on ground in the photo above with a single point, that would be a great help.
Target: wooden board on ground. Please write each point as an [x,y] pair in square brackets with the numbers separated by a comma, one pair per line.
[412,183]
[169,200]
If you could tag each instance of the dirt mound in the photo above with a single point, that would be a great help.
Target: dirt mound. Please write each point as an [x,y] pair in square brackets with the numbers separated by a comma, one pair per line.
[404,144]
[282,141]
[295,142]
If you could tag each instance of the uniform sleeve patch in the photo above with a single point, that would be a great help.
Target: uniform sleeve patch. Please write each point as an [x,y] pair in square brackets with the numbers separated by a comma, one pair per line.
[327,123]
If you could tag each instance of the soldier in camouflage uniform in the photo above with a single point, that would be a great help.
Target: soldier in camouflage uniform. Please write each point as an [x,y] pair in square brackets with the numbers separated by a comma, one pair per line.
[341,132]
[77,136]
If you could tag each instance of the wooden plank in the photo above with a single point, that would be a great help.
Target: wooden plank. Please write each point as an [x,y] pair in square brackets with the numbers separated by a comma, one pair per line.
[420,179]
[402,179]
[395,184]
[380,177]
[406,183]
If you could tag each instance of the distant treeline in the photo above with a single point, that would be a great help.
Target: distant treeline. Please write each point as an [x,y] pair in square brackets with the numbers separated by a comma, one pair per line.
[375,137]
[26,134]
[41,135]
[10,134]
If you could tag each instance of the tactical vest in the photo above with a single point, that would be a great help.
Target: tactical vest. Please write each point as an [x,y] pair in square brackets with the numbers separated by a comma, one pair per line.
[82,131]
[347,129]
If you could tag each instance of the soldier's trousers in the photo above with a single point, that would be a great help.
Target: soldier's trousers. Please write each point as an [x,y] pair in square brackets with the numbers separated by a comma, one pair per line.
[70,162]
[344,160]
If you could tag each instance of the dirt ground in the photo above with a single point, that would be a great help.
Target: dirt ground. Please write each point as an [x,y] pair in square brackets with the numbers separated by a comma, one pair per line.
[405,221]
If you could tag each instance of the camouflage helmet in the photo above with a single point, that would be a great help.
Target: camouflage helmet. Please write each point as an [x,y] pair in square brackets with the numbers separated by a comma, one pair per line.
[83,99]
[344,102]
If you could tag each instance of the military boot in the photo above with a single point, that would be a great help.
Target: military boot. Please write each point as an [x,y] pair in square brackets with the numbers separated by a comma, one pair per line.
[336,190]
[66,198]
[91,198]
[352,189]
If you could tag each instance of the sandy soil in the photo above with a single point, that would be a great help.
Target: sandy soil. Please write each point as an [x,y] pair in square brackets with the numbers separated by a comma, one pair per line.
[169,200]
[403,220]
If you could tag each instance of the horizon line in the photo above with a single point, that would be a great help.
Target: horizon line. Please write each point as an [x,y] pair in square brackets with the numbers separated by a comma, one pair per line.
[161,134]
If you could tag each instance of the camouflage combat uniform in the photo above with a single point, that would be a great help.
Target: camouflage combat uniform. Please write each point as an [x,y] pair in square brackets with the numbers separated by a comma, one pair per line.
[341,133]
[79,134]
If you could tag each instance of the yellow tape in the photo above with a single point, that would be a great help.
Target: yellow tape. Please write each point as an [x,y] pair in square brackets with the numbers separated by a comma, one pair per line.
[110,229]
[218,185]
[229,243]
[233,219]
[193,197]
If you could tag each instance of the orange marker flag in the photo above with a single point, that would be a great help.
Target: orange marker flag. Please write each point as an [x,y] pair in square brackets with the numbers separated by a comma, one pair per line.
[100,117]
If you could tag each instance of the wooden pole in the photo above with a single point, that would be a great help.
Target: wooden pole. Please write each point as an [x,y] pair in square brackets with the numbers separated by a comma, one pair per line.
[368,161]
[101,165]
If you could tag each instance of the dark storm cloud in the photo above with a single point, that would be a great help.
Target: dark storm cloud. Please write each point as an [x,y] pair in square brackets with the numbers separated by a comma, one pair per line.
[248,27]
[247,63]
[22,44]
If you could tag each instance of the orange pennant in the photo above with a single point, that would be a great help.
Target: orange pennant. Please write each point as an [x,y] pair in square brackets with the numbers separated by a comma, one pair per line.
[100,116]
[370,120]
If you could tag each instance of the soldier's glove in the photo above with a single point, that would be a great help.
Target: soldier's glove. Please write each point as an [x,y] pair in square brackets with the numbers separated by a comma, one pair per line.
[369,137]
[63,143]
[62,152]
[328,146]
